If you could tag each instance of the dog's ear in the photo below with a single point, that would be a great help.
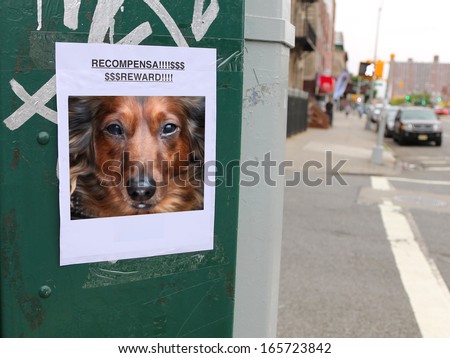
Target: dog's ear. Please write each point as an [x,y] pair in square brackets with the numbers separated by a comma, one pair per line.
[80,126]
[82,112]
[195,108]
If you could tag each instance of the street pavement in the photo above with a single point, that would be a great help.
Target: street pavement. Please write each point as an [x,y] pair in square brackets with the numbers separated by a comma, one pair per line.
[347,140]
[365,250]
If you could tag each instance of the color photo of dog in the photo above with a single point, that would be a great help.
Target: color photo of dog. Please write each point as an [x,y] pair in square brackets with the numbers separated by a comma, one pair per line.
[135,155]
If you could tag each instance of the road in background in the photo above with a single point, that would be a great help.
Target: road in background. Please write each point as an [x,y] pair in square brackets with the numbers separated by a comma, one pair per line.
[341,275]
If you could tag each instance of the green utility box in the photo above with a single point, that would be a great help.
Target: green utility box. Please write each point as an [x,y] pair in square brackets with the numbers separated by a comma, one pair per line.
[178,295]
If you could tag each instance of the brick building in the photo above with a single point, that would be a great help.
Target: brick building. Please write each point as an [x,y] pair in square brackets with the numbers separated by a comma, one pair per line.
[313,55]
[419,77]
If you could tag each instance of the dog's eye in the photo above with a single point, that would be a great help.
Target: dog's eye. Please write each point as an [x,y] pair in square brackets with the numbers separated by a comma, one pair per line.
[169,128]
[114,129]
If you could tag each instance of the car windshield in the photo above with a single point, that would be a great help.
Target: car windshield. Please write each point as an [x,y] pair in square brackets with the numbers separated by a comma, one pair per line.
[419,114]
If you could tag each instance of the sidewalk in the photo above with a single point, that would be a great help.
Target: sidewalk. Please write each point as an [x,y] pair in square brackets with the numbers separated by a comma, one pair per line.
[347,140]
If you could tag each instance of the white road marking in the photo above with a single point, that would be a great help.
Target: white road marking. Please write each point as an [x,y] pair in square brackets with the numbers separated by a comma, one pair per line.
[438,169]
[430,301]
[380,183]
[419,181]
[424,158]
[428,295]
[435,162]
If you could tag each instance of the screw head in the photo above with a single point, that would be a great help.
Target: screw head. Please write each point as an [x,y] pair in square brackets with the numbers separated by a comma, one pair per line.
[45,291]
[43,138]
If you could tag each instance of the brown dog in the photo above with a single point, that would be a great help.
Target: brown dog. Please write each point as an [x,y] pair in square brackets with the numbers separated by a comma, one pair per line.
[135,155]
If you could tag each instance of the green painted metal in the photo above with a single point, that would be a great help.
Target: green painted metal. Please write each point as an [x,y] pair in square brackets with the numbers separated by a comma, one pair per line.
[187,295]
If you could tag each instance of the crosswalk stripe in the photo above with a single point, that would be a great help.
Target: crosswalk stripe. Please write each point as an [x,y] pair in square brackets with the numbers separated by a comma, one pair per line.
[419,181]
[429,296]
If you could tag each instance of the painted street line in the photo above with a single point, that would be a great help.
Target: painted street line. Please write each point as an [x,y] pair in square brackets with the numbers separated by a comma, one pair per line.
[438,169]
[380,183]
[434,162]
[419,181]
[429,296]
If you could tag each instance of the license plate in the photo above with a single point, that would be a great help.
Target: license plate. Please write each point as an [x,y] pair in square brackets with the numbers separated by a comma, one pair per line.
[422,137]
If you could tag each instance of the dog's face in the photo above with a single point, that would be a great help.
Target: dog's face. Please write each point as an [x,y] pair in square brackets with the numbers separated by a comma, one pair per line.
[149,136]
[141,152]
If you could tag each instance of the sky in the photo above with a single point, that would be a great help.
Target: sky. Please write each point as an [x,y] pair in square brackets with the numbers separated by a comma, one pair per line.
[407,28]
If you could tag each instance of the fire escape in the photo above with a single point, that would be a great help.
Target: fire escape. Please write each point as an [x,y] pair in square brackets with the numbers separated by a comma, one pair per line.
[305,39]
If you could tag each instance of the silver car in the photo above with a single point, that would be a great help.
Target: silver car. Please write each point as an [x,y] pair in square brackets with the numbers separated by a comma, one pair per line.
[389,118]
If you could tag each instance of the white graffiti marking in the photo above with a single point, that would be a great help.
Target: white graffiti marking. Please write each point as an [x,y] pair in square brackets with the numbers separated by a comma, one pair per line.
[102,22]
[71,9]
[32,104]
[35,105]
[39,14]
[202,21]
[168,21]
[138,35]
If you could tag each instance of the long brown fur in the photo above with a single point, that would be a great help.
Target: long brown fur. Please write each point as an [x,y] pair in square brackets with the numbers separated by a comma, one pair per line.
[115,140]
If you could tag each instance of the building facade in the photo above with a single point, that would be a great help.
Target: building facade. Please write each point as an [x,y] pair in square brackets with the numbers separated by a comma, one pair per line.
[318,65]
[312,59]
[418,77]
[302,16]
[340,57]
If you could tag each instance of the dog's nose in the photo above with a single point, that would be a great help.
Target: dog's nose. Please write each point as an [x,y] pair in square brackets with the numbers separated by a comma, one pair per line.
[141,189]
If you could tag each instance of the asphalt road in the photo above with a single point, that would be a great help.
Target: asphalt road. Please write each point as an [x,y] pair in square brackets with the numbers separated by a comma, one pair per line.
[429,165]
[424,160]
[340,275]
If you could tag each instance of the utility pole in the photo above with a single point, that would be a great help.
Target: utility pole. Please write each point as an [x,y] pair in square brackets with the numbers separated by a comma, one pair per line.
[267,44]
[372,82]
[377,153]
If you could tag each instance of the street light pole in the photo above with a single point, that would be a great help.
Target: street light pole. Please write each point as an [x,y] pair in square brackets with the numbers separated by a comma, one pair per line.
[377,153]
[372,82]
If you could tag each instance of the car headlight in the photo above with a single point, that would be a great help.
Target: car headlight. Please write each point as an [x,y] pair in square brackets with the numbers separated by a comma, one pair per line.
[408,127]
[437,127]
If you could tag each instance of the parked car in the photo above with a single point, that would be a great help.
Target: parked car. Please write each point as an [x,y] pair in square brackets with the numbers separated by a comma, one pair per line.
[389,114]
[375,113]
[417,124]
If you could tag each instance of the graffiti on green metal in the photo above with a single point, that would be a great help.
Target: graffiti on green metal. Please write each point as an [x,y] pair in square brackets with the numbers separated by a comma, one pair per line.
[102,23]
